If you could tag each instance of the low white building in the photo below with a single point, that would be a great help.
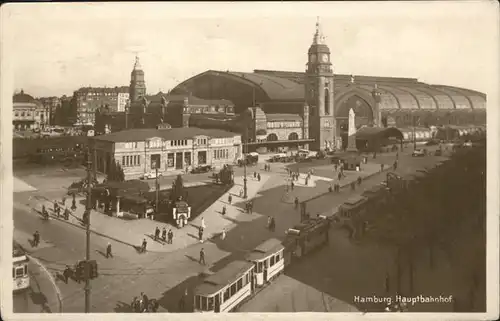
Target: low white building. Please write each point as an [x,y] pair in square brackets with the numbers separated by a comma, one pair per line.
[141,151]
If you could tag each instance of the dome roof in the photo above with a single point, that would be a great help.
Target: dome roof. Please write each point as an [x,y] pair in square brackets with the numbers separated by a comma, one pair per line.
[23,98]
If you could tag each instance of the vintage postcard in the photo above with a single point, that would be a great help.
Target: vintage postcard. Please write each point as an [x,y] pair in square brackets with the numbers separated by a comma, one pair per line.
[268,159]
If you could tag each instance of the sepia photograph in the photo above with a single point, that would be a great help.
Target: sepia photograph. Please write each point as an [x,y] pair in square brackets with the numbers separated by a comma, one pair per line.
[250,157]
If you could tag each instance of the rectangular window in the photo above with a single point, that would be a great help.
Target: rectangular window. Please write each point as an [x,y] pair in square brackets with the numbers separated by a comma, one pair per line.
[259,267]
[170,160]
[215,154]
[210,304]
[233,289]
[272,261]
[123,160]
[239,285]
[19,272]
[139,160]
[171,143]
[226,295]
[204,303]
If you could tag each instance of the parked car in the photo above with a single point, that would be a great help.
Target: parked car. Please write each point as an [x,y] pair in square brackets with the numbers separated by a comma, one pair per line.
[201,169]
[418,153]
[150,175]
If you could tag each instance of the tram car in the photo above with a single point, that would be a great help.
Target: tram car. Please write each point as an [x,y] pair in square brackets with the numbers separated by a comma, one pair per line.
[20,269]
[268,260]
[227,289]
[305,238]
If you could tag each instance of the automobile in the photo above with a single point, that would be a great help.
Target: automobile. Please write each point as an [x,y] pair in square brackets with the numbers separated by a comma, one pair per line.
[150,175]
[201,169]
[418,153]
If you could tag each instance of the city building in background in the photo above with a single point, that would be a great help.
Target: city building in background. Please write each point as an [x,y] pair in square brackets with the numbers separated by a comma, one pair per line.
[28,113]
[52,104]
[148,111]
[141,151]
[87,100]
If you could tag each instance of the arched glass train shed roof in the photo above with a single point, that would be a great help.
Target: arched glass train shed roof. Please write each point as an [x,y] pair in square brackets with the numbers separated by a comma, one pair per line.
[395,93]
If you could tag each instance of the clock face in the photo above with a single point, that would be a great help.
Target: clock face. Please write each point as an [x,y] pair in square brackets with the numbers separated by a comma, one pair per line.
[313,58]
[324,58]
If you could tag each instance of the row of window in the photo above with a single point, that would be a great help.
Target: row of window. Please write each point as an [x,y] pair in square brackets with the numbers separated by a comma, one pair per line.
[158,143]
[182,142]
[28,114]
[132,160]
[263,265]
[213,109]
[221,154]
[287,124]
[207,304]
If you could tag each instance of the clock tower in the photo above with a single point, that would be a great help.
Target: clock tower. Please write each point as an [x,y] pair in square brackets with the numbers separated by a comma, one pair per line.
[319,93]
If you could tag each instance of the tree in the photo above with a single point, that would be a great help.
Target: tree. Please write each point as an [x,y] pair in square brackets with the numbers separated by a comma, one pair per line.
[226,175]
[177,189]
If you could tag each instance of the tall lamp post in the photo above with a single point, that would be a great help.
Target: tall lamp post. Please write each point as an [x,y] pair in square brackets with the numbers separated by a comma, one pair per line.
[157,191]
[414,136]
[88,207]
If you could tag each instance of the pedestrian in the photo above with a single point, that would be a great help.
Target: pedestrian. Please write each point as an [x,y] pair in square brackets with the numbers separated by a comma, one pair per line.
[164,234]
[223,210]
[269,167]
[258,177]
[230,199]
[296,202]
[203,226]
[251,207]
[292,185]
[170,236]
[144,245]
[254,174]
[157,233]
[66,273]
[36,238]
[269,220]
[359,180]
[273,224]
[202,256]
[200,234]
[108,251]
[223,234]
[182,301]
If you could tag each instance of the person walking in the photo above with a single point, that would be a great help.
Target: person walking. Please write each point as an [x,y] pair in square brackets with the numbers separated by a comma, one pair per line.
[66,274]
[170,236]
[157,233]
[36,239]
[273,224]
[292,185]
[202,256]
[258,177]
[164,234]
[108,250]
[251,207]
[200,234]
[144,245]
[296,201]
[230,199]
[223,234]
[254,175]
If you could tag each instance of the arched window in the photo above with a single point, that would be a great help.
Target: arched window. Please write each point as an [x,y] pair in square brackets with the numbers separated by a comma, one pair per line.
[327,101]
[272,138]
[293,136]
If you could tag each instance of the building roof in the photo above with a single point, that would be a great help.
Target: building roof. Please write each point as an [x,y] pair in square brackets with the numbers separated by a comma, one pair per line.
[223,278]
[395,92]
[192,100]
[266,249]
[143,134]
[283,117]
[377,132]
[21,97]
[121,89]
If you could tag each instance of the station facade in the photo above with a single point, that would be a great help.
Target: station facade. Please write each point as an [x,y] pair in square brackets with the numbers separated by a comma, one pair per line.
[280,108]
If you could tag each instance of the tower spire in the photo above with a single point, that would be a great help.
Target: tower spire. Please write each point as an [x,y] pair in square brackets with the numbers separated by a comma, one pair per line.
[137,65]
[318,36]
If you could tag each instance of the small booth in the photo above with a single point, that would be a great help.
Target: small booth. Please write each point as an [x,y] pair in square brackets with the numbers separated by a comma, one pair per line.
[352,163]
[137,206]
[181,213]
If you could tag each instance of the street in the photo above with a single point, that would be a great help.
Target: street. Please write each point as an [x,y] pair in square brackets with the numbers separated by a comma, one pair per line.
[165,276]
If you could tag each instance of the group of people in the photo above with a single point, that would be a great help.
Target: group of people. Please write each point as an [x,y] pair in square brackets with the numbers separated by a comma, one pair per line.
[271,223]
[267,167]
[167,237]
[249,207]
[256,176]
[36,239]
[144,304]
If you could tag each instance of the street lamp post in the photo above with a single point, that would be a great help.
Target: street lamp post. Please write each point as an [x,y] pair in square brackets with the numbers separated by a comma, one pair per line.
[88,207]
[414,136]
[157,191]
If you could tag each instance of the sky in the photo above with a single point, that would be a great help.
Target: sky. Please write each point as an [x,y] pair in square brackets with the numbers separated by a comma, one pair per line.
[54,49]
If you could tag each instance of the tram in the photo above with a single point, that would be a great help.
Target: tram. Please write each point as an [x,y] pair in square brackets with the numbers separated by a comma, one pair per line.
[227,289]
[268,261]
[305,237]
[20,268]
